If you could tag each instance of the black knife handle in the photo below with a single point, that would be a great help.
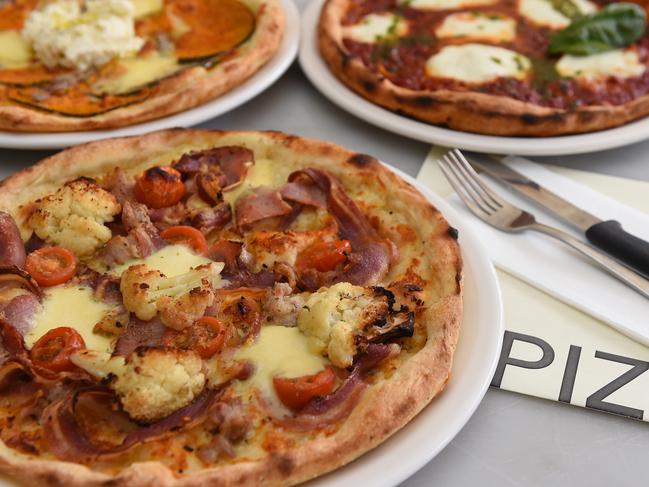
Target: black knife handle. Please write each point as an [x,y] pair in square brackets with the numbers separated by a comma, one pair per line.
[614,240]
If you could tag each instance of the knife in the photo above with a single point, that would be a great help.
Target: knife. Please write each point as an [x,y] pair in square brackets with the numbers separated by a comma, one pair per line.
[608,235]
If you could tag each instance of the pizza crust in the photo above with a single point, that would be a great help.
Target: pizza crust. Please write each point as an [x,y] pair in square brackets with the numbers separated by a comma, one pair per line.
[179,92]
[469,111]
[384,407]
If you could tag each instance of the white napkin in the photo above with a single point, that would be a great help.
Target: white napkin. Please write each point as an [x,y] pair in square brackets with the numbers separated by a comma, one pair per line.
[553,266]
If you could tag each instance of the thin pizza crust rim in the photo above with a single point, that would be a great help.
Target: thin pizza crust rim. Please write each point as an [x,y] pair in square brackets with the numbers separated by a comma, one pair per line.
[373,420]
[176,93]
[466,111]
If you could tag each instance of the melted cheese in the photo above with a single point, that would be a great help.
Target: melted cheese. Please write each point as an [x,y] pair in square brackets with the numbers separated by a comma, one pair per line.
[619,63]
[74,307]
[477,25]
[262,173]
[445,4]
[134,73]
[477,63]
[542,12]
[279,351]
[14,50]
[375,27]
[171,260]
[146,7]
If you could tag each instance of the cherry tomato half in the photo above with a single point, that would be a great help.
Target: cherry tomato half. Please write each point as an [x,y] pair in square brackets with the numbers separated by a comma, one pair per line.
[205,337]
[297,392]
[159,187]
[52,351]
[50,266]
[323,256]
[189,236]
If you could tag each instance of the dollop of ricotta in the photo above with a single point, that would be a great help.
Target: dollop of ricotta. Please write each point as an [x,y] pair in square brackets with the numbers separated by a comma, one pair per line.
[82,35]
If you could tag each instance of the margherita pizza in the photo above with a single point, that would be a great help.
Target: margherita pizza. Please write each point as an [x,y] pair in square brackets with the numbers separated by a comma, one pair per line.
[216,308]
[502,67]
[70,65]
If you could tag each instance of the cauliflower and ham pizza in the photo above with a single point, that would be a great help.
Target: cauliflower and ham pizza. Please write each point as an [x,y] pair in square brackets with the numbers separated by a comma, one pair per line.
[192,307]
[499,67]
[71,65]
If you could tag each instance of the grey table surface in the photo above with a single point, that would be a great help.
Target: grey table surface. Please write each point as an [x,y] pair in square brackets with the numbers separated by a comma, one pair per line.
[512,439]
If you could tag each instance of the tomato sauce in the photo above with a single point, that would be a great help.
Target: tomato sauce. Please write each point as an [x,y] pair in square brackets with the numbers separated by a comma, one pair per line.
[403,61]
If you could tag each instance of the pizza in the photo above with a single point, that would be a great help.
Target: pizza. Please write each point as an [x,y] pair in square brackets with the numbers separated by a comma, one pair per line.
[194,307]
[76,65]
[500,67]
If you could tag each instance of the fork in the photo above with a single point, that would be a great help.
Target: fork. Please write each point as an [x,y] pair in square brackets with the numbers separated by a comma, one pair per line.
[499,213]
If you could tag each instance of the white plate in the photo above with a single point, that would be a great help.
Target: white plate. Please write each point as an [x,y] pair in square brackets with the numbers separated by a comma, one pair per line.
[475,361]
[318,72]
[261,80]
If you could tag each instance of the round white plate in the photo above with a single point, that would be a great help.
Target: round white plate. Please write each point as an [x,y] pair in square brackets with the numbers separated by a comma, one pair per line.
[261,80]
[475,361]
[318,72]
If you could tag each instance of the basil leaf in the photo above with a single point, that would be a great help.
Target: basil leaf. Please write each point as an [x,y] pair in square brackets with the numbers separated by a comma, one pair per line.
[617,25]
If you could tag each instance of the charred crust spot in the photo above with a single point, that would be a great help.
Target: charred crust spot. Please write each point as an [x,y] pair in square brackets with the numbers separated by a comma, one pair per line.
[361,160]
[424,101]
[110,483]
[344,58]
[586,116]
[52,479]
[458,281]
[285,465]
[369,86]
[453,233]
[405,406]
[530,119]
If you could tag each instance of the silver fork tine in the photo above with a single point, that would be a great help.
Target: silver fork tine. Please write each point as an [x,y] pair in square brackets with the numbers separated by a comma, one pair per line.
[459,188]
[469,169]
[476,181]
[462,180]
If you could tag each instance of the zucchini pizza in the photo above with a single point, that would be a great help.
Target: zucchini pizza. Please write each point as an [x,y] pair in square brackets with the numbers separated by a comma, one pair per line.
[76,65]
[195,307]
[501,67]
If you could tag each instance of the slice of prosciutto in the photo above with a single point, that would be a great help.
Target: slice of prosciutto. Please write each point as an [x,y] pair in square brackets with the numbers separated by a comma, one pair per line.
[140,333]
[232,162]
[303,191]
[261,203]
[68,441]
[12,248]
[371,255]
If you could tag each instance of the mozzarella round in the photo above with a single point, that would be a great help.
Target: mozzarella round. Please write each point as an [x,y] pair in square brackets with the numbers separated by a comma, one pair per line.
[374,27]
[477,63]
[542,12]
[477,25]
[620,63]
[445,4]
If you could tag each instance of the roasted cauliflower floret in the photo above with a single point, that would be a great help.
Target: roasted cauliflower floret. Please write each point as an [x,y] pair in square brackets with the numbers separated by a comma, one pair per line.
[74,217]
[180,300]
[151,384]
[333,318]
